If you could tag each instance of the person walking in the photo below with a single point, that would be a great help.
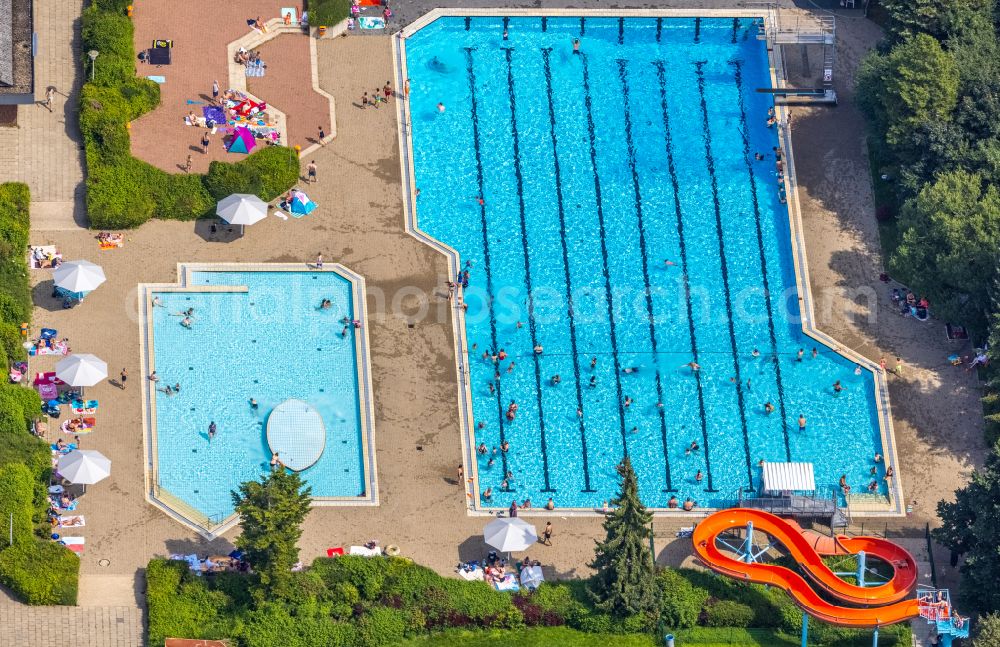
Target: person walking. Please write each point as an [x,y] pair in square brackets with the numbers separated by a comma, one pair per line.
[364,100]
[322,135]
[188,164]
[215,91]
[204,142]
[547,534]
[319,261]
[50,92]
[124,378]
[311,171]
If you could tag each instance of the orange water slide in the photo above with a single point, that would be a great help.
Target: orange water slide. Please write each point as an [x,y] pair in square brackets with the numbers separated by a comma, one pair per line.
[884,603]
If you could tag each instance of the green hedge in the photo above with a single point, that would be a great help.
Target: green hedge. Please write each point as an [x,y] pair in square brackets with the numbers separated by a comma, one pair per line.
[181,606]
[14,231]
[327,12]
[36,570]
[727,613]
[40,572]
[535,637]
[267,173]
[124,192]
[360,602]
[17,491]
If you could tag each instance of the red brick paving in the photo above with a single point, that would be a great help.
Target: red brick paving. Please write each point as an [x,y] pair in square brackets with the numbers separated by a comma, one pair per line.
[288,84]
[201,32]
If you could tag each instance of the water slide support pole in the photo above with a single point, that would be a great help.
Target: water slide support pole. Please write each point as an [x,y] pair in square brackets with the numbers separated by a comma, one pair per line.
[861,568]
[805,629]
[875,638]
[748,544]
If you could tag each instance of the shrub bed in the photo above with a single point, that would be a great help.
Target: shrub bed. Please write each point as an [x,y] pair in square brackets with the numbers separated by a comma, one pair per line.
[123,191]
[40,571]
[17,493]
[355,601]
[36,570]
[327,12]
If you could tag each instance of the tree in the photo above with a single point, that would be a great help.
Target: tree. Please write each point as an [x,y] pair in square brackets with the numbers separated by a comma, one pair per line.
[919,83]
[625,583]
[939,19]
[987,632]
[950,234]
[971,526]
[271,515]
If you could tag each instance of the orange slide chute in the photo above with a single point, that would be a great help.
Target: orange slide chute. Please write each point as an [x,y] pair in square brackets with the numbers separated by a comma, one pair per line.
[884,603]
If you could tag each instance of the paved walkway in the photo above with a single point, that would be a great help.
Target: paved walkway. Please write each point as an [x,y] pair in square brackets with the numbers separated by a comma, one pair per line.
[84,626]
[44,150]
[288,85]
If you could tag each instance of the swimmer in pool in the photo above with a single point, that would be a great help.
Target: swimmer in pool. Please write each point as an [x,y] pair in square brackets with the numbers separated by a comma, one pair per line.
[186,322]
[253,404]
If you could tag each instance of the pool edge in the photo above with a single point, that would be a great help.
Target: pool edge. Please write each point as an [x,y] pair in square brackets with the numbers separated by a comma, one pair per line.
[174,506]
[796,242]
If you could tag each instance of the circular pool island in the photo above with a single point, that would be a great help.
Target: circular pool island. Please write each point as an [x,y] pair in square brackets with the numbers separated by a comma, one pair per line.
[295,431]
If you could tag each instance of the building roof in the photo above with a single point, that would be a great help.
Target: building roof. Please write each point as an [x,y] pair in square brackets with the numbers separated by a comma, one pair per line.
[17,82]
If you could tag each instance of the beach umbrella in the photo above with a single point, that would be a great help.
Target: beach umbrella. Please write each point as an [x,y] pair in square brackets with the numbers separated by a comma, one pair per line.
[242,209]
[84,467]
[81,370]
[78,277]
[510,534]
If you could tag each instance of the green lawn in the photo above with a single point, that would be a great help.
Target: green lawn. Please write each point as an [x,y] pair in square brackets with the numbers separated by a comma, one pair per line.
[563,637]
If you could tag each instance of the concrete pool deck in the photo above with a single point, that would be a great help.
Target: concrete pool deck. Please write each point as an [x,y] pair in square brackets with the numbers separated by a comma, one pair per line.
[936,412]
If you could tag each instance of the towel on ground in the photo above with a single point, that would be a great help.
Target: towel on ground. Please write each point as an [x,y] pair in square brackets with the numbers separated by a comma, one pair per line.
[371,22]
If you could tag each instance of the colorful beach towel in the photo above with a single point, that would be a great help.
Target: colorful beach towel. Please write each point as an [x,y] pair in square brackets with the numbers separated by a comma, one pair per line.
[367,22]
[214,113]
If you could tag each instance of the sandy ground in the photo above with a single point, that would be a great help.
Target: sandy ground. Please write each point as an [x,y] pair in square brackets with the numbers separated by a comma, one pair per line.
[360,224]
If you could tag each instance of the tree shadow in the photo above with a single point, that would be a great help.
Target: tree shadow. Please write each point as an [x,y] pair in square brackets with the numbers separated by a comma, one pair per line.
[214,230]
[199,546]
[71,120]
[44,296]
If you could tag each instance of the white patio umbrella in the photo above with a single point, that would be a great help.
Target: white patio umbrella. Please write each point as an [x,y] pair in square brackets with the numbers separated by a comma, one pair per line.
[510,534]
[84,467]
[81,370]
[242,209]
[78,277]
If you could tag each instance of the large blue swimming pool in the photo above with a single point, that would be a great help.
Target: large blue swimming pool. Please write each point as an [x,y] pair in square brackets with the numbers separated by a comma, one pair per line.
[269,343]
[565,181]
